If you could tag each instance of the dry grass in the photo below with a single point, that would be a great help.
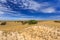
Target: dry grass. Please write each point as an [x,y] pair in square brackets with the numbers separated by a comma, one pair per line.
[45,30]
[13,26]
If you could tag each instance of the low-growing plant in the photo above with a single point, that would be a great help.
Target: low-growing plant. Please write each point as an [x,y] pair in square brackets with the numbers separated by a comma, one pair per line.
[57,21]
[23,22]
[3,23]
[32,22]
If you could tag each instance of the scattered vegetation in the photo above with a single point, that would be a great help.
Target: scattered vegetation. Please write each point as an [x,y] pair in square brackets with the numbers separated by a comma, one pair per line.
[3,23]
[57,21]
[23,22]
[32,22]
[29,22]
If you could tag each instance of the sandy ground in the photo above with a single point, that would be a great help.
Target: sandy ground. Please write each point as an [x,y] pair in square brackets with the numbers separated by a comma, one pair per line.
[42,31]
[32,33]
[13,26]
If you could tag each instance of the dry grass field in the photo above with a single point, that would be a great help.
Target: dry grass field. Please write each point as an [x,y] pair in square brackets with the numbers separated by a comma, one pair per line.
[43,30]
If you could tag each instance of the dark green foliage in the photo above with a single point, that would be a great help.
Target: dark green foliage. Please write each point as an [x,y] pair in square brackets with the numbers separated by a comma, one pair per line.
[3,23]
[32,22]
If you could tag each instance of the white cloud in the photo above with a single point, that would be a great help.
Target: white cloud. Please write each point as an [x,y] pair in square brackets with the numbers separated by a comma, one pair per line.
[53,17]
[39,7]
[30,4]
[19,18]
[30,18]
[3,1]
[1,12]
[56,16]
[5,10]
[48,10]
[33,5]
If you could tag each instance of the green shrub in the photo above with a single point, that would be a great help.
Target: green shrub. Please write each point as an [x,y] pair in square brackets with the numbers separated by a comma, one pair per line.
[32,22]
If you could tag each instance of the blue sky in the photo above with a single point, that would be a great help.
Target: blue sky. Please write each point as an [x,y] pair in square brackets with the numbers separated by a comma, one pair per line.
[29,9]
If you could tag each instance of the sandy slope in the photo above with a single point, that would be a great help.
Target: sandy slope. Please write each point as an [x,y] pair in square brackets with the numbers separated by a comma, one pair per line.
[32,33]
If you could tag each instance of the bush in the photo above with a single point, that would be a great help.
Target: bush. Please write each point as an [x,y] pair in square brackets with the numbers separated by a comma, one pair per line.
[57,21]
[3,23]
[32,22]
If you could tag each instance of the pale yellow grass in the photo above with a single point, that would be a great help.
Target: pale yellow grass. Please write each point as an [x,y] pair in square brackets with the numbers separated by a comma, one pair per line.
[13,26]
[19,26]
[45,30]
